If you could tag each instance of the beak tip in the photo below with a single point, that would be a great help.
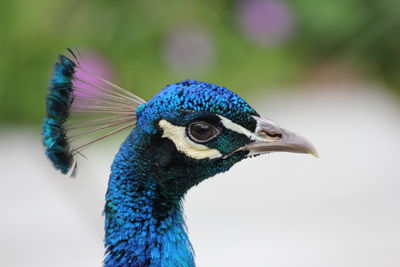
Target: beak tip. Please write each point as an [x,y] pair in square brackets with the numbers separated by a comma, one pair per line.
[315,154]
[312,150]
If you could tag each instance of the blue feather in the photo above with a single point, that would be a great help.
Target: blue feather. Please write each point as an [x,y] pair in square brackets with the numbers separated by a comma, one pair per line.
[94,98]
[58,103]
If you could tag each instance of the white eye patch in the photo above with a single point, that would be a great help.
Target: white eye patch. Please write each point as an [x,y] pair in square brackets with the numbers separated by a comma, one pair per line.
[177,134]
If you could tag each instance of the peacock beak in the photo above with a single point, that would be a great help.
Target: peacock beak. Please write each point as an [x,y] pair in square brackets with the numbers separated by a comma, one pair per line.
[270,137]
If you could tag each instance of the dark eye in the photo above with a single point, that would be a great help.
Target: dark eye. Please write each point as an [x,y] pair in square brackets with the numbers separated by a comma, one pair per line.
[202,132]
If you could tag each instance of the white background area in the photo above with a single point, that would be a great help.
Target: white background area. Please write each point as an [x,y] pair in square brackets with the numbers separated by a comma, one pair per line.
[274,210]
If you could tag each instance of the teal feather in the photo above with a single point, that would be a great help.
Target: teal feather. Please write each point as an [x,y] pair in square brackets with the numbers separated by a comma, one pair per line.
[58,103]
[65,98]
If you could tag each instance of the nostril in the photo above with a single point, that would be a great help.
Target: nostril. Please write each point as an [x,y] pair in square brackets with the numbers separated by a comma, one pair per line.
[275,135]
[270,134]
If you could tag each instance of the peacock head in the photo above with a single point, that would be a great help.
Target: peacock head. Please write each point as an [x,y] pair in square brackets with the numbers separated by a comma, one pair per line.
[186,133]
[193,130]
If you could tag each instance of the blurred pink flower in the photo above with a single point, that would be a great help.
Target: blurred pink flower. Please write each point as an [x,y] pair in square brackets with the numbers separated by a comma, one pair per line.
[188,50]
[266,22]
[93,65]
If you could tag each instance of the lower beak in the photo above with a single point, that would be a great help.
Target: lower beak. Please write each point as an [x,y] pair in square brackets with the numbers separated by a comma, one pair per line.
[271,138]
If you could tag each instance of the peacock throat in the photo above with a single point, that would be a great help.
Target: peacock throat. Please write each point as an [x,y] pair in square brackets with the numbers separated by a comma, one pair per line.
[144,222]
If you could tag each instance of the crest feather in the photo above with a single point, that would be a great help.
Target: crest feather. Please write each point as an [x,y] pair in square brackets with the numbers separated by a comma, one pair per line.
[81,112]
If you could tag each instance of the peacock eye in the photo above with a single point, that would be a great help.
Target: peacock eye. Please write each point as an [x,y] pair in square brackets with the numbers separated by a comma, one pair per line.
[202,132]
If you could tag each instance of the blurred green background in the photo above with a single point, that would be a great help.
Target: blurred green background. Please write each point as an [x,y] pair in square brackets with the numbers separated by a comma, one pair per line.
[243,45]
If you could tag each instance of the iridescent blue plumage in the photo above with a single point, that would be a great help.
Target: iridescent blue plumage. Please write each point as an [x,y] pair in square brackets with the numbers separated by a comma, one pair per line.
[69,94]
[58,102]
[139,230]
[193,95]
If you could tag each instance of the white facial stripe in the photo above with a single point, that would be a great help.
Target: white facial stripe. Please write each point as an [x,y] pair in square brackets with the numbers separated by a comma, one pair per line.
[183,144]
[237,128]
[241,130]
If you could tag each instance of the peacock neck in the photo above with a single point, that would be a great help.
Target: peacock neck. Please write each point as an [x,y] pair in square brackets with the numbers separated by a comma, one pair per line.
[144,226]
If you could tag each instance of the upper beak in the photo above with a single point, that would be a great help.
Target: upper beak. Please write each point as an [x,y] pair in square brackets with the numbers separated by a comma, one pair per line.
[270,137]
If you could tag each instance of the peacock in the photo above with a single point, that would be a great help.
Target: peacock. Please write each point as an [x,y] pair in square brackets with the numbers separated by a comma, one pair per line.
[188,132]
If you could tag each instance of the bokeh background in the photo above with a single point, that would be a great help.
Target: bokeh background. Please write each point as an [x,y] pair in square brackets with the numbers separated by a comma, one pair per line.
[327,69]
